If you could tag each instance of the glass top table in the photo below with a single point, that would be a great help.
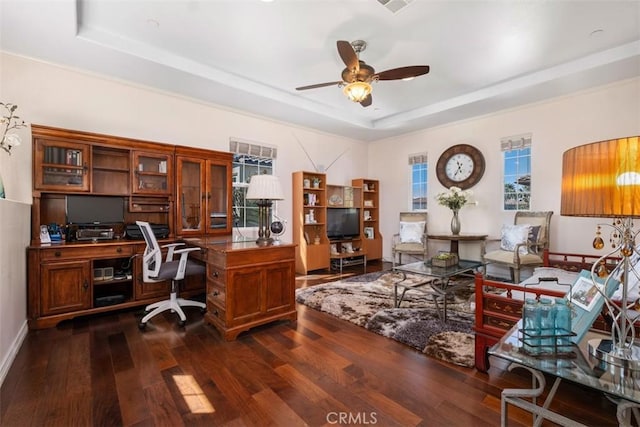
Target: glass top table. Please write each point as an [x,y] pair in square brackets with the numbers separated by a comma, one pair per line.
[622,386]
[439,280]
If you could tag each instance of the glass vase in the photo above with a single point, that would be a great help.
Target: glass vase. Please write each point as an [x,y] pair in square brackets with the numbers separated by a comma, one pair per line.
[455,223]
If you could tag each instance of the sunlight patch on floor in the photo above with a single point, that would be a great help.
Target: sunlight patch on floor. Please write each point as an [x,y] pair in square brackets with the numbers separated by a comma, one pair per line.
[193,395]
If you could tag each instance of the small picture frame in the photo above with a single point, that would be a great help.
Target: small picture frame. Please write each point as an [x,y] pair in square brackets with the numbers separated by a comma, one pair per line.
[368,232]
[368,203]
[44,234]
[585,293]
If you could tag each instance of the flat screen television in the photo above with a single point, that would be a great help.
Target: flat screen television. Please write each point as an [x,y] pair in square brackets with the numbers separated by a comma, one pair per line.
[95,209]
[343,223]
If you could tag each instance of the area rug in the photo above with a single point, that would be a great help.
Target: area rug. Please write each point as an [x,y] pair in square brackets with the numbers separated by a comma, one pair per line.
[367,301]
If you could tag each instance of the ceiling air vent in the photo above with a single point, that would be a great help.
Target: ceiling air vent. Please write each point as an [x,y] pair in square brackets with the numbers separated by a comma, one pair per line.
[395,5]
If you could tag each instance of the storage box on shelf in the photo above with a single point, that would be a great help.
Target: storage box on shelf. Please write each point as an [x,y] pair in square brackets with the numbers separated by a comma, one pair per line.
[370,205]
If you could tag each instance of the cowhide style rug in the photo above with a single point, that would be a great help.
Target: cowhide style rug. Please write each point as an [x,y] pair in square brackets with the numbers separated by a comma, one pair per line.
[367,301]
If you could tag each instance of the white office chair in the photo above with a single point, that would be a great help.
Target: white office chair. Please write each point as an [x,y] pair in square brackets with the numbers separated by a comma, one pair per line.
[154,270]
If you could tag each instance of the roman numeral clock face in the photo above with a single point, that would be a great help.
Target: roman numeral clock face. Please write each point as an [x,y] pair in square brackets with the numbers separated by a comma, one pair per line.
[461,165]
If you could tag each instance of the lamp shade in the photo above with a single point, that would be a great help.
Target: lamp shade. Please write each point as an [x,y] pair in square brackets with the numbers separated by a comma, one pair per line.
[357,91]
[602,179]
[264,187]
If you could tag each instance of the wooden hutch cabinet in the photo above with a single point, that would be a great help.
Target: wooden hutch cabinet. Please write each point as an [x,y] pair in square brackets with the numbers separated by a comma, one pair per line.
[75,276]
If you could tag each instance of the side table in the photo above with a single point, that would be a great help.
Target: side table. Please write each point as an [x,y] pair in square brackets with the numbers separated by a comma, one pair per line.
[462,237]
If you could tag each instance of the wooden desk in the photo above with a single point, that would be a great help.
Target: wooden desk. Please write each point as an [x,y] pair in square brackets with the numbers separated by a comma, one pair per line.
[247,285]
[462,237]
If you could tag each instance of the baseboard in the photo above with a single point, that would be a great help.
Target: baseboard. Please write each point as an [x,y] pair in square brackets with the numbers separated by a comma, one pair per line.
[13,351]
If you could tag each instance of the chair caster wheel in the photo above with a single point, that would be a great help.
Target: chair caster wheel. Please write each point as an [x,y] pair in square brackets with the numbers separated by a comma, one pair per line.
[142,326]
[181,323]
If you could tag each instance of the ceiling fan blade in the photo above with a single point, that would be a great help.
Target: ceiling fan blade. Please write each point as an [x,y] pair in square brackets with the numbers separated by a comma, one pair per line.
[348,55]
[367,101]
[403,72]
[319,85]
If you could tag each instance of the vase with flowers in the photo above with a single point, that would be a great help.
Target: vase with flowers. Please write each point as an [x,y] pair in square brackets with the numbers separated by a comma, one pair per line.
[9,122]
[455,198]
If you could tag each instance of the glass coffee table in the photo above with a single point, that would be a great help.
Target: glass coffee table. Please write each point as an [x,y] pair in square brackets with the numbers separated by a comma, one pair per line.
[439,279]
[619,385]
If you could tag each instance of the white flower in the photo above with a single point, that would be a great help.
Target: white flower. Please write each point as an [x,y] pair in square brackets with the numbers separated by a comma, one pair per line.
[12,140]
[455,198]
[9,121]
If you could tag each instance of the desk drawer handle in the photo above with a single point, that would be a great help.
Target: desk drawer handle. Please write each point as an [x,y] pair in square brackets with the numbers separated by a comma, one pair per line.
[57,253]
[216,293]
[119,250]
[215,274]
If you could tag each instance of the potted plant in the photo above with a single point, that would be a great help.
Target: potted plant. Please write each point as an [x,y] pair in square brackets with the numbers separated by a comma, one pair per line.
[316,182]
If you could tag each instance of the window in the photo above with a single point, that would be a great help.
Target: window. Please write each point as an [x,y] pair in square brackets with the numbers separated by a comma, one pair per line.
[517,173]
[418,165]
[249,159]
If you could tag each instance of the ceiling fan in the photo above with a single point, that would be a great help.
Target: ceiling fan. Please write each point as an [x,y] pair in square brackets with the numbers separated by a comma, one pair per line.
[357,77]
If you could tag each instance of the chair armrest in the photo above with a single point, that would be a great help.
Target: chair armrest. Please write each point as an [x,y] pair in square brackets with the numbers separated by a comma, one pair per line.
[172,247]
[182,266]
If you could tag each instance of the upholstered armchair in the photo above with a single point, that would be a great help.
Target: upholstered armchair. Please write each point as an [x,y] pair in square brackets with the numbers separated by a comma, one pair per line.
[412,236]
[523,243]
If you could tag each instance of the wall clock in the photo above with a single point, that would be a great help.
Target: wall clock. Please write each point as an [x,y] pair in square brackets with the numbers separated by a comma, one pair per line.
[461,166]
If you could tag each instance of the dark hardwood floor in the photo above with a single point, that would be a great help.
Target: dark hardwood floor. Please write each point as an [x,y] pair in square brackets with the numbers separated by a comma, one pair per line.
[318,371]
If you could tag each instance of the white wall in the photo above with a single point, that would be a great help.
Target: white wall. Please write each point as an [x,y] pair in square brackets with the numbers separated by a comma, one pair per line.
[556,125]
[15,222]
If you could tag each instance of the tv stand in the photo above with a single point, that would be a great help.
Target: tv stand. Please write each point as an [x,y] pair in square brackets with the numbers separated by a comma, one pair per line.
[343,254]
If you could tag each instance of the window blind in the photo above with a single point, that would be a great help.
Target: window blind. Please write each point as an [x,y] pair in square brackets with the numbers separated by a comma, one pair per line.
[237,146]
[417,158]
[515,142]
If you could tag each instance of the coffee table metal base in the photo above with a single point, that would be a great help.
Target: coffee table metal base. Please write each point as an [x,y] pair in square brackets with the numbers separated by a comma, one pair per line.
[437,291]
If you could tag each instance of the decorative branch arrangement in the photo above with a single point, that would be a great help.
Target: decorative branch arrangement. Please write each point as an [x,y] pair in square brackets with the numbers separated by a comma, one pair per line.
[8,122]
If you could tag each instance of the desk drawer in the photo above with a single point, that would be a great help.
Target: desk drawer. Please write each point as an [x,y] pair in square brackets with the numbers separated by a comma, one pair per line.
[216,275]
[89,252]
[218,294]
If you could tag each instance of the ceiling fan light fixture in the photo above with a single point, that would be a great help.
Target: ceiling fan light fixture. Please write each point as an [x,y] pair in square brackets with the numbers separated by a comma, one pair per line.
[357,91]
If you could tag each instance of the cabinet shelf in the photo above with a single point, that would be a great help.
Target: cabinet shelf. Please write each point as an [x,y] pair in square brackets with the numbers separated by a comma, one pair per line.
[124,280]
[107,169]
[55,170]
[162,174]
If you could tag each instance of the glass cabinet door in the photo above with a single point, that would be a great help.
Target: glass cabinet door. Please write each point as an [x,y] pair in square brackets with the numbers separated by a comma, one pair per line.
[152,173]
[191,195]
[61,166]
[217,197]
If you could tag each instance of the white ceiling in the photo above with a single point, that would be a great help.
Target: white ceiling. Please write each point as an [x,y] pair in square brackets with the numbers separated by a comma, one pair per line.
[250,55]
